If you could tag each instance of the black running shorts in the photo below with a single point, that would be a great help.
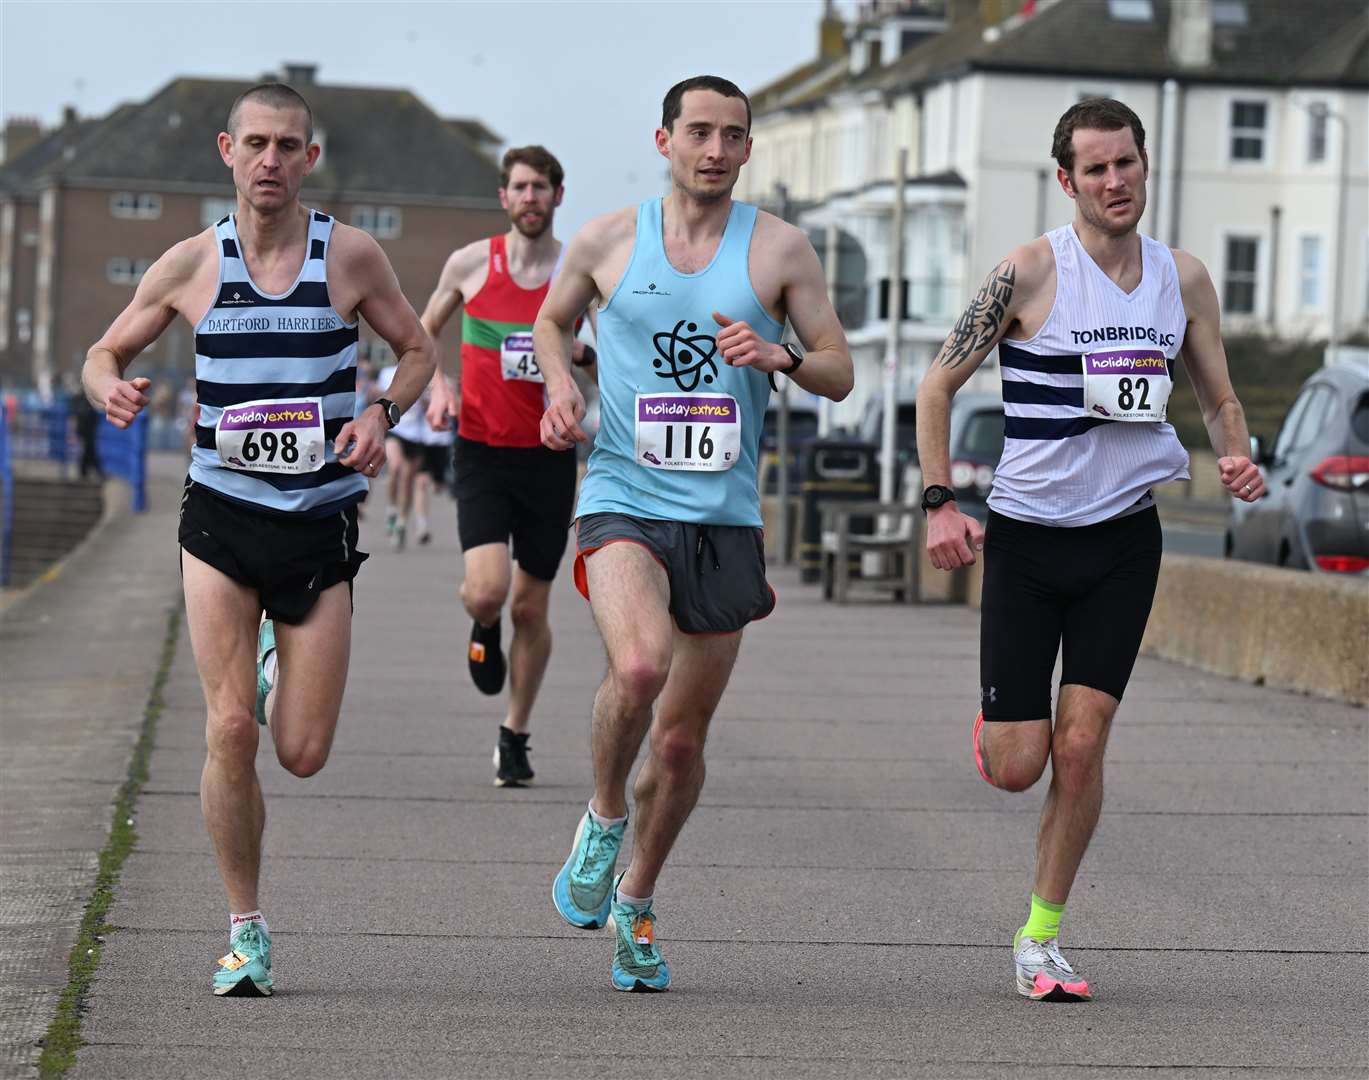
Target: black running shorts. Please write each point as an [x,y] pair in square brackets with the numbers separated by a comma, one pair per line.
[287,558]
[716,572]
[1088,589]
[523,493]
[431,458]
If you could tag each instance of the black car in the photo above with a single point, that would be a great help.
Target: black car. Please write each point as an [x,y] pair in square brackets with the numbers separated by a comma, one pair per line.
[1316,515]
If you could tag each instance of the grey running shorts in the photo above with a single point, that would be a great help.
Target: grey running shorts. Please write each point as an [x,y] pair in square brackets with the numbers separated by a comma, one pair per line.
[716,572]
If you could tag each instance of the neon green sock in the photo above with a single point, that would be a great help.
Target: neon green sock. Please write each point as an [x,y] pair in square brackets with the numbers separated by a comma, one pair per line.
[1043,923]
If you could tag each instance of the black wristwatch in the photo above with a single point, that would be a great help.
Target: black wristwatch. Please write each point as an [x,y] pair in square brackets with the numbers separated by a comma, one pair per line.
[936,495]
[588,357]
[794,355]
[391,410]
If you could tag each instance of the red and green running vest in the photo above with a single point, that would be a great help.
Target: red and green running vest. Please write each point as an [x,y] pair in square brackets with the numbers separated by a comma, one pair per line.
[497,410]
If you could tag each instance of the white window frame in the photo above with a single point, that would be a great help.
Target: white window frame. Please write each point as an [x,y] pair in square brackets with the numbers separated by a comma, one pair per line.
[1269,136]
[214,209]
[1320,307]
[1261,238]
[122,270]
[136,205]
[369,219]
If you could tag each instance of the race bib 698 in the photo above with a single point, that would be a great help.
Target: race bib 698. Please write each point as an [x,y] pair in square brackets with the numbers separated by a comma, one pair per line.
[272,436]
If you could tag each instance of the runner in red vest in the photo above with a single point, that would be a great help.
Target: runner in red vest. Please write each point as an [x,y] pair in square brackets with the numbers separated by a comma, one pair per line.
[508,485]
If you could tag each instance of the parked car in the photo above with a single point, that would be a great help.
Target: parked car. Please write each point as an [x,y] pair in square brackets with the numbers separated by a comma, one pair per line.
[976,443]
[1316,515]
[803,425]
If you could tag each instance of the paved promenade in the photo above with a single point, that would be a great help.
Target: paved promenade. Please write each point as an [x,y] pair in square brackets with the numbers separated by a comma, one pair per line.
[841,903]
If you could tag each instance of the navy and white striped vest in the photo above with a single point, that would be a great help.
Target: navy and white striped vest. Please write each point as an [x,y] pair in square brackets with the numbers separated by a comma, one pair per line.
[251,346]
[1061,466]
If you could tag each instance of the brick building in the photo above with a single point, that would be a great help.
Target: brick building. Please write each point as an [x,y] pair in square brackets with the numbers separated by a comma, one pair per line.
[89,206]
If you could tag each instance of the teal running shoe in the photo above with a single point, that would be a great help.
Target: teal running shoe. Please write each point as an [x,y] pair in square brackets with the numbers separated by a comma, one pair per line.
[246,970]
[637,963]
[583,890]
[266,643]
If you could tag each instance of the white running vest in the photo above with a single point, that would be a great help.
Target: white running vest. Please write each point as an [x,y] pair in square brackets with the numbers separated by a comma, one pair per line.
[1062,465]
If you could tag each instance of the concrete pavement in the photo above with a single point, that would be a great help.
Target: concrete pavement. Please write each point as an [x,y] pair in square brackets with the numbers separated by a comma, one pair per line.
[840,904]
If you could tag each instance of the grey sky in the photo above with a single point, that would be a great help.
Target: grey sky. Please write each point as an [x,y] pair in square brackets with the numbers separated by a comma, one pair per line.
[584,78]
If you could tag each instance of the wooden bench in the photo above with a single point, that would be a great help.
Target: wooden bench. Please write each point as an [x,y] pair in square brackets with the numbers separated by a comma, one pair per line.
[899,543]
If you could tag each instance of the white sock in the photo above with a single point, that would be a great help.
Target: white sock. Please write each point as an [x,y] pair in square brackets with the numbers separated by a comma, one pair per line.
[268,668]
[604,822]
[639,903]
[421,523]
[237,922]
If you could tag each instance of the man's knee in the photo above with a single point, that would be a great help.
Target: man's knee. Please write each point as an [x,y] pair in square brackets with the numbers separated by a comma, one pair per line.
[1077,758]
[639,677]
[303,757]
[1017,756]
[484,600]
[232,736]
[678,750]
[528,615]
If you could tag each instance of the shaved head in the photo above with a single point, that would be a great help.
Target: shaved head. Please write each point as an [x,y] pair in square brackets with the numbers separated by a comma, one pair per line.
[276,96]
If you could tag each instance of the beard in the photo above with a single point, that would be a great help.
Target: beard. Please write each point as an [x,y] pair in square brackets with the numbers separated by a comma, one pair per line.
[1110,226]
[532,229]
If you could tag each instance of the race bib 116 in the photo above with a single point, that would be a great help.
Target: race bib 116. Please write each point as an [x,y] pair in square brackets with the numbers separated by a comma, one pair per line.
[1127,384]
[694,432]
[272,436]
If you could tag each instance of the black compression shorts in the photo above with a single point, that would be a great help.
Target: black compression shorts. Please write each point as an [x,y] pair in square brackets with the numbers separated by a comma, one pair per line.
[523,493]
[1086,589]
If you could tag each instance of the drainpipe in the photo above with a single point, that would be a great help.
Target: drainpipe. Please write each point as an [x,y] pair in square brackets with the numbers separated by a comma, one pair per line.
[1275,213]
[1167,220]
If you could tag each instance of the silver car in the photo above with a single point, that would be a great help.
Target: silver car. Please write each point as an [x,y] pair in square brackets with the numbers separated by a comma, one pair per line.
[1316,515]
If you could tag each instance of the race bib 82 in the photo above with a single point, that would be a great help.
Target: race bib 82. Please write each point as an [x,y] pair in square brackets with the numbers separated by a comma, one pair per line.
[1127,384]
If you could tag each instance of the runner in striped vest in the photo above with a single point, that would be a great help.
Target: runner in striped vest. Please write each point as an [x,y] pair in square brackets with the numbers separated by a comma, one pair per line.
[269,513]
[508,486]
[1089,321]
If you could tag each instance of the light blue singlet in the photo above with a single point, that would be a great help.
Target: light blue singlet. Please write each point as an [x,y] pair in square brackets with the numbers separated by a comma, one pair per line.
[672,412]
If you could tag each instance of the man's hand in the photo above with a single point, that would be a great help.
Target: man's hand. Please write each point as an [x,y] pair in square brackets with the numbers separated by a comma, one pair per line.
[741,346]
[561,422]
[125,400]
[360,444]
[1241,477]
[443,408]
[952,537]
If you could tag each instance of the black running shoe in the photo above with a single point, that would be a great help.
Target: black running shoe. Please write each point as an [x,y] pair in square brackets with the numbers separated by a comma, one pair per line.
[486,658]
[511,766]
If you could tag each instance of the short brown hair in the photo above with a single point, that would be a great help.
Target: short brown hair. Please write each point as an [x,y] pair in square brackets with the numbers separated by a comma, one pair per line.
[1093,114]
[277,96]
[537,158]
[673,104]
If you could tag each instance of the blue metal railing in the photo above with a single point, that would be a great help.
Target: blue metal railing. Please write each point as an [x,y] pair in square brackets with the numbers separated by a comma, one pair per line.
[123,453]
[6,499]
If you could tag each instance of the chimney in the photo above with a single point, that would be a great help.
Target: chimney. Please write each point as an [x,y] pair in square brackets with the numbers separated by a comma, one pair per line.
[300,74]
[21,132]
[1190,34]
[68,115]
[831,33]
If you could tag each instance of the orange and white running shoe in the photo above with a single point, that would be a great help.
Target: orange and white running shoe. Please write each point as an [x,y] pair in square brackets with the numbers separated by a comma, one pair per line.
[1043,974]
[978,751]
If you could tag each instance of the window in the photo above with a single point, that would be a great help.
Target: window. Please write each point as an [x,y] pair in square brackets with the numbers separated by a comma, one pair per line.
[884,312]
[126,271]
[1131,10]
[1229,13]
[143,206]
[382,222]
[1311,257]
[1248,130]
[1304,422]
[1242,274]
[214,210]
[1316,133]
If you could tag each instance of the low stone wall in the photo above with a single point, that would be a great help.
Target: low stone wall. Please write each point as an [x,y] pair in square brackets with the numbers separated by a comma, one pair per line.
[1282,628]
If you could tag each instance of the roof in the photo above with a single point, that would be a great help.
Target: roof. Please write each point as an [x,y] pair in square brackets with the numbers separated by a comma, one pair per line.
[376,141]
[1312,42]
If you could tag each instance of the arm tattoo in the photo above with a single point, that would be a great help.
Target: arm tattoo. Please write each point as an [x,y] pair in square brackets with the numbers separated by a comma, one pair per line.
[983,319]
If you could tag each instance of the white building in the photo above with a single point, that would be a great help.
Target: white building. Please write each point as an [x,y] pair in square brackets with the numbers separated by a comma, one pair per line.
[1257,128]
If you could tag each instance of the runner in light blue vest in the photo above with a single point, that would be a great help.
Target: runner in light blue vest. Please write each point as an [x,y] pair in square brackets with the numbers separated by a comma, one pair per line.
[693,292]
